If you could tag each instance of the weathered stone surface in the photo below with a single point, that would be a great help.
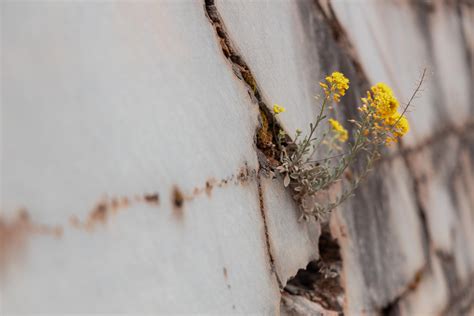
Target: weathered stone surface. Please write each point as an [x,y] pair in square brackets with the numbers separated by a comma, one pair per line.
[439,158]
[128,135]
[106,104]
[271,37]
[429,296]
[289,248]
[395,40]
[381,239]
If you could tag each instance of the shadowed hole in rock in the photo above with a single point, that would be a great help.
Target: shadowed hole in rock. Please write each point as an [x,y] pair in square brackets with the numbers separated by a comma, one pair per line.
[320,282]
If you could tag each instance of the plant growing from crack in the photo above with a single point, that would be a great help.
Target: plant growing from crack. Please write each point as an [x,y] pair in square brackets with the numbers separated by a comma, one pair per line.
[379,124]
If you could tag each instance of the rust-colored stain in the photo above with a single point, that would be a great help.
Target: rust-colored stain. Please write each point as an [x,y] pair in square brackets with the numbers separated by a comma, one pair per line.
[177,200]
[124,201]
[416,280]
[75,222]
[152,198]
[209,186]
[100,213]
[246,174]
[243,174]
[114,204]
[226,277]
[15,233]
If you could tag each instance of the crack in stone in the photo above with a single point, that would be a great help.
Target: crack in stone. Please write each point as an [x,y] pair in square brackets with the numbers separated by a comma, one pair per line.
[267,235]
[264,155]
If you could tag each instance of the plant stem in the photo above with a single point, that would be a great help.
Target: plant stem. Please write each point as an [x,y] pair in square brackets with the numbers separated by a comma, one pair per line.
[307,140]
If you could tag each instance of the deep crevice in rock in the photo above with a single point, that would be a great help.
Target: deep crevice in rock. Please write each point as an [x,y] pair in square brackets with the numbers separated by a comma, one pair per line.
[264,135]
[320,282]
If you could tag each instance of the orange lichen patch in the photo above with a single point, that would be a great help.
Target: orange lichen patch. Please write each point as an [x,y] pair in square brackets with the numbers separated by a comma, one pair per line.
[177,200]
[15,233]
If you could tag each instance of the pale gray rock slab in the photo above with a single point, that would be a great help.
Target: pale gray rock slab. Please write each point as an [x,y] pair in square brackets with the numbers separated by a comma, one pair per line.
[271,37]
[107,102]
[291,240]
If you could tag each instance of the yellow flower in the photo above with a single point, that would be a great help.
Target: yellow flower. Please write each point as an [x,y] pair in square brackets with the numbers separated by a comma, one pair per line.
[381,98]
[341,132]
[338,85]
[398,125]
[278,109]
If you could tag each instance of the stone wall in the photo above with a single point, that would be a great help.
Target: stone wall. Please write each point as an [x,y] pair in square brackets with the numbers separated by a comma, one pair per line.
[132,180]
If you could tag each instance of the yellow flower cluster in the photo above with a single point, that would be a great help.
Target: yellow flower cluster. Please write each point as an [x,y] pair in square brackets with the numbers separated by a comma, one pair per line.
[277,109]
[383,106]
[382,99]
[336,85]
[399,125]
[341,132]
